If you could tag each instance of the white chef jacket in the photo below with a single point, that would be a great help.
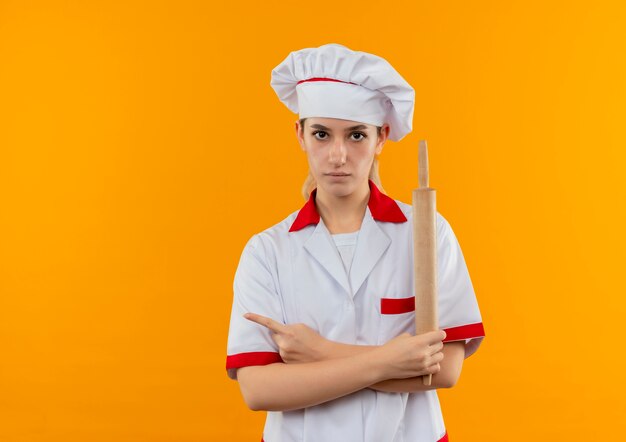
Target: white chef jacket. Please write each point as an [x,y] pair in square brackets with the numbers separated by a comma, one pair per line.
[293,273]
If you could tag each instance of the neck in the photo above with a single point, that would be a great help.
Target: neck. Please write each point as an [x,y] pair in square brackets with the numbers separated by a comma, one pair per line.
[343,214]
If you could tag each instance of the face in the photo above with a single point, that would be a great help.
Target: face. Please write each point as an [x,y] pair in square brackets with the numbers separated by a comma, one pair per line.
[340,152]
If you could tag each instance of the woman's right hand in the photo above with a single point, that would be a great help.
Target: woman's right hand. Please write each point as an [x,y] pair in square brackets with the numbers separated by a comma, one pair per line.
[407,356]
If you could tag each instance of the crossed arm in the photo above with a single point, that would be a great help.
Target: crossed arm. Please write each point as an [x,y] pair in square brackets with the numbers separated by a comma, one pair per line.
[316,370]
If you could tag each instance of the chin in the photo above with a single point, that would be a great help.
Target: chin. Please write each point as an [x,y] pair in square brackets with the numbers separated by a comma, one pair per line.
[339,189]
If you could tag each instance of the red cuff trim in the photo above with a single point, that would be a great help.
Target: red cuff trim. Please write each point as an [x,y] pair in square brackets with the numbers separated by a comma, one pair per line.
[395,306]
[252,358]
[464,332]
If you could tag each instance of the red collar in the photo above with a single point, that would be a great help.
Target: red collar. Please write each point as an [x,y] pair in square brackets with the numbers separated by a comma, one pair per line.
[382,207]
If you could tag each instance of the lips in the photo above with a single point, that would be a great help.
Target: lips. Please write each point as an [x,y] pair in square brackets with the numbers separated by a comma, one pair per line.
[338,174]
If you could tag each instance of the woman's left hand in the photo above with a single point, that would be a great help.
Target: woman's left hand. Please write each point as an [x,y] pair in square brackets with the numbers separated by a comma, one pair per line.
[297,343]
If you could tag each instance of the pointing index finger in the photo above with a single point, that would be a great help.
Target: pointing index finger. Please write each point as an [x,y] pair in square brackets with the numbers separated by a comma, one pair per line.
[274,326]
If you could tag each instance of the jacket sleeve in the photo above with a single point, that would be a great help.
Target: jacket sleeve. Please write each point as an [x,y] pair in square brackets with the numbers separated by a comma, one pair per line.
[255,292]
[459,315]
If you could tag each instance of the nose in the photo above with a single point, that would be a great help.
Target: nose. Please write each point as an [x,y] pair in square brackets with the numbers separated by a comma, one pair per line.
[337,153]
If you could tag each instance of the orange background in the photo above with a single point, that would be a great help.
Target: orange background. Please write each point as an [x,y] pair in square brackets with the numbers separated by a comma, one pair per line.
[141,145]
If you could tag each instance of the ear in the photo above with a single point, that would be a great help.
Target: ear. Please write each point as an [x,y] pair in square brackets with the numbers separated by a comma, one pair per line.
[300,134]
[384,134]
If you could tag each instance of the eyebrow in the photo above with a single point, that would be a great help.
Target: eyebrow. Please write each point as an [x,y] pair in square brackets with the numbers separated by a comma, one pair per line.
[322,127]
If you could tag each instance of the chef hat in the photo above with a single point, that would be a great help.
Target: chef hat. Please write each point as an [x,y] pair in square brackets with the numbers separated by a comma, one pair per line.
[333,81]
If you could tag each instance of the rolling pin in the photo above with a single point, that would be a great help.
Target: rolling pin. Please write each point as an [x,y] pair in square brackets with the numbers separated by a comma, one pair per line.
[425,251]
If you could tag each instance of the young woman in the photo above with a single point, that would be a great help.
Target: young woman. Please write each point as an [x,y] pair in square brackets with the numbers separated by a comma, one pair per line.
[322,326]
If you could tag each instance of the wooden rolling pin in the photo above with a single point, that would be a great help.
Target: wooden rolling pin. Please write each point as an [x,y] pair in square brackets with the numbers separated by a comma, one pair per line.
[425,251]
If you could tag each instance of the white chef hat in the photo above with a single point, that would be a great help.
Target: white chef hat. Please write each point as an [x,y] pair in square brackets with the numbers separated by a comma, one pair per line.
[333,81]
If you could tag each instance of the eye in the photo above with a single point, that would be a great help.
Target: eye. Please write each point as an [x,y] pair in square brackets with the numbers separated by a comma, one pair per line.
[360,135]
[323,135]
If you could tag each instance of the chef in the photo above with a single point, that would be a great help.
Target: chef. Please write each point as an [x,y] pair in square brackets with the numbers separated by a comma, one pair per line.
[322,329]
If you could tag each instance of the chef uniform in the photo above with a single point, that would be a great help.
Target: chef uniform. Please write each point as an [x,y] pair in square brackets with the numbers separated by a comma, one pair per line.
[293,272]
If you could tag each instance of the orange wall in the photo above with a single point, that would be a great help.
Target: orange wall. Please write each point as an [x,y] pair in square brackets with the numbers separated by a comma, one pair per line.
[130,144]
